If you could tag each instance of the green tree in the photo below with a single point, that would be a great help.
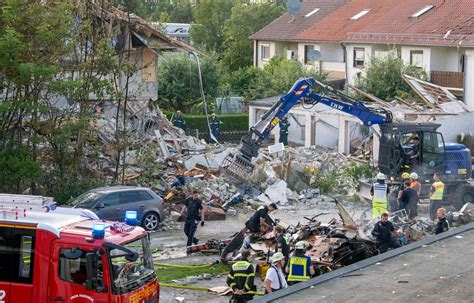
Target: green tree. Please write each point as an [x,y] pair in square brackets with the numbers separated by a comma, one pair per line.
[210,17]
[278,77]
[384,77]
[178,80]
[243,22]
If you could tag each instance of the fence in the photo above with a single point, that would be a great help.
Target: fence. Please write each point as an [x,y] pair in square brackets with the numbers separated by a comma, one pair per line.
[448,79]
[225,136]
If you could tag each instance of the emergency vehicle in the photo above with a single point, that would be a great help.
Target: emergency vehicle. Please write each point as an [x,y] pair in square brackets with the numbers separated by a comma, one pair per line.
[52,254]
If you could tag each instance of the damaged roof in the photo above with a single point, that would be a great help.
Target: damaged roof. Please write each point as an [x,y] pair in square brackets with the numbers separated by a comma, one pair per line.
[288,26]
[145,30]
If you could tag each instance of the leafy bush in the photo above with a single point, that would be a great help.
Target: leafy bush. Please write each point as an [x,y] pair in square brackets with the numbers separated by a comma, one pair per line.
[384,78]
[18,169]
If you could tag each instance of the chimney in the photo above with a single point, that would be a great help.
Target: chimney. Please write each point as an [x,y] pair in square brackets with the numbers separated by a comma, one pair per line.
[469,79]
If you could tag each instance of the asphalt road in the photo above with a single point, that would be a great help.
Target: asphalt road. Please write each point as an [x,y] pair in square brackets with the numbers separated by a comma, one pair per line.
[439,272]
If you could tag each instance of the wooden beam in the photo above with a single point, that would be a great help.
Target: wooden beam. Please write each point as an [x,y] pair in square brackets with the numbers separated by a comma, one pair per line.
[371,97]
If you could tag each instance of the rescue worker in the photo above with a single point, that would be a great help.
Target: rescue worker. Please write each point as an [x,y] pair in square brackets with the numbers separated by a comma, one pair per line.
[443,224]
[436,195]
[179,121]
[300,267]
[415,184]
[284,126]
[241,279]
[261,219]
[282,243]
[379,193]
[384,233]
[405,176]
[275,279]
[192,207]
[409,200]
[215,126]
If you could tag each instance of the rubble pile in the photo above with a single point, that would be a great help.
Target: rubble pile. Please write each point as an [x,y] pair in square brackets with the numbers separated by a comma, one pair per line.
[331,245]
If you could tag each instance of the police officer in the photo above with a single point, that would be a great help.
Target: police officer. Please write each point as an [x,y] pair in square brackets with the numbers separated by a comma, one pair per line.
[300,267]
[193,206]
[179,121]
[379,193]
[241,279]
[384,233]
[284,125]
[282,244]
[436,195]
[443,224]
[215,126]
[261,218]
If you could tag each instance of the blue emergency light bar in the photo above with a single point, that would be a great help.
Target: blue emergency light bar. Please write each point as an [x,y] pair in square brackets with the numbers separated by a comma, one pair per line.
[98,230]
[131,217]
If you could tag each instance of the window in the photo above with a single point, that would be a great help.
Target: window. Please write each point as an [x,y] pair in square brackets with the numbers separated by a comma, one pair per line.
[314,11]
[145,196]
[359,57]
[130,196]
[111,199]
[17,254]
[422,11]
[307,49]
[416,58]
[265,52]
[360,14]
[74,270]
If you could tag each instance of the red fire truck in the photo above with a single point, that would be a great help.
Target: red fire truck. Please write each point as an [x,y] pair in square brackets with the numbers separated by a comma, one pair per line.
[52,254]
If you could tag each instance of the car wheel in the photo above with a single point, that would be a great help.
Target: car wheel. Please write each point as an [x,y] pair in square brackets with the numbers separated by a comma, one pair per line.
[151,221]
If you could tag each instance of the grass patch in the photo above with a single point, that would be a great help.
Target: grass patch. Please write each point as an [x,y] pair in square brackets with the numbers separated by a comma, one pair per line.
[172,273]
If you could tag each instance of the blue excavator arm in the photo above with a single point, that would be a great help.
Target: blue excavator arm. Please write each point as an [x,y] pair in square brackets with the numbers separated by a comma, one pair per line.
[303,92]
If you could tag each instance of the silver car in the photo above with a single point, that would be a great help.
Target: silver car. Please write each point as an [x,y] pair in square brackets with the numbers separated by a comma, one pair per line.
[111,203]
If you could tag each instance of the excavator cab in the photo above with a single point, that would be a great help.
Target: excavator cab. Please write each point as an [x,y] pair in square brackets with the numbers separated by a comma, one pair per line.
[410,147]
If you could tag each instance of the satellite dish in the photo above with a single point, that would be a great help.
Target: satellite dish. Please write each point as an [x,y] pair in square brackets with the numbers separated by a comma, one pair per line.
[313,55]
[293,6]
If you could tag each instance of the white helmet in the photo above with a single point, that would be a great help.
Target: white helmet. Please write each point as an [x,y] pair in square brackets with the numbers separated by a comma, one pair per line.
[380,176]
[301,245]
[414,176]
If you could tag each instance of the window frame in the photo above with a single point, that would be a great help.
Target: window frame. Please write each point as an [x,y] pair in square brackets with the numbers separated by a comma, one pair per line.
[306,50]
[262,46]
[85,251]
[108,195]
[355,60]
[416,52]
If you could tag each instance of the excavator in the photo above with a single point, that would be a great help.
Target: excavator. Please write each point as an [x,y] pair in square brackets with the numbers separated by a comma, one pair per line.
[451,160]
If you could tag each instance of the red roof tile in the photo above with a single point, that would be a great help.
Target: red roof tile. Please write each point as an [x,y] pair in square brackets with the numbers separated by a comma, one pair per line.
[288,26]
[335,26]
[449,22]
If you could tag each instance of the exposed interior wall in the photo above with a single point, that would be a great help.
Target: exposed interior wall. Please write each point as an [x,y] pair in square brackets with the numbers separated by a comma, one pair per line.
[453,126]
[148,65]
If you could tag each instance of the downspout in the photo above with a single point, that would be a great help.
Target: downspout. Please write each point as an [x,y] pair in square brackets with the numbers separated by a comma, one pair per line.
[255,59]
[344,50]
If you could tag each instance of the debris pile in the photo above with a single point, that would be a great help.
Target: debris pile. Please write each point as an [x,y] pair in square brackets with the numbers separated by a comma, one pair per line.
[331,245]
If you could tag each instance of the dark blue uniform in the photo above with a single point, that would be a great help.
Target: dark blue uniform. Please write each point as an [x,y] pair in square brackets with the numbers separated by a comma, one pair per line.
[179,121]
[192,219]
[215,127]
[253,224]
[284,125]
[441,226]
[383,234]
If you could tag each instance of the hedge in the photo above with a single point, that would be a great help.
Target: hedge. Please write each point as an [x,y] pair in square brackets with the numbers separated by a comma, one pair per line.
[234,122]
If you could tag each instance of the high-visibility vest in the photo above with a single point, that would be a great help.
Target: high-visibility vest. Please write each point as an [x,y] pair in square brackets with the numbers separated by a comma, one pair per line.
[439,191]
[298,263]
[380,193]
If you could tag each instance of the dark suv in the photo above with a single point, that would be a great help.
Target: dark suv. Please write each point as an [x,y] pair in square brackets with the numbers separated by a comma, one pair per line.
[112,202]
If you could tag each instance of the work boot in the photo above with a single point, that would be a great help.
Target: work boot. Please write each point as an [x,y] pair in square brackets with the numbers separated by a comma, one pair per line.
[195,241]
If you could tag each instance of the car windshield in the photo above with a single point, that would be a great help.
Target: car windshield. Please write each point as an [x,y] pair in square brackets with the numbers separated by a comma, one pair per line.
[87,200]
[128,275]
